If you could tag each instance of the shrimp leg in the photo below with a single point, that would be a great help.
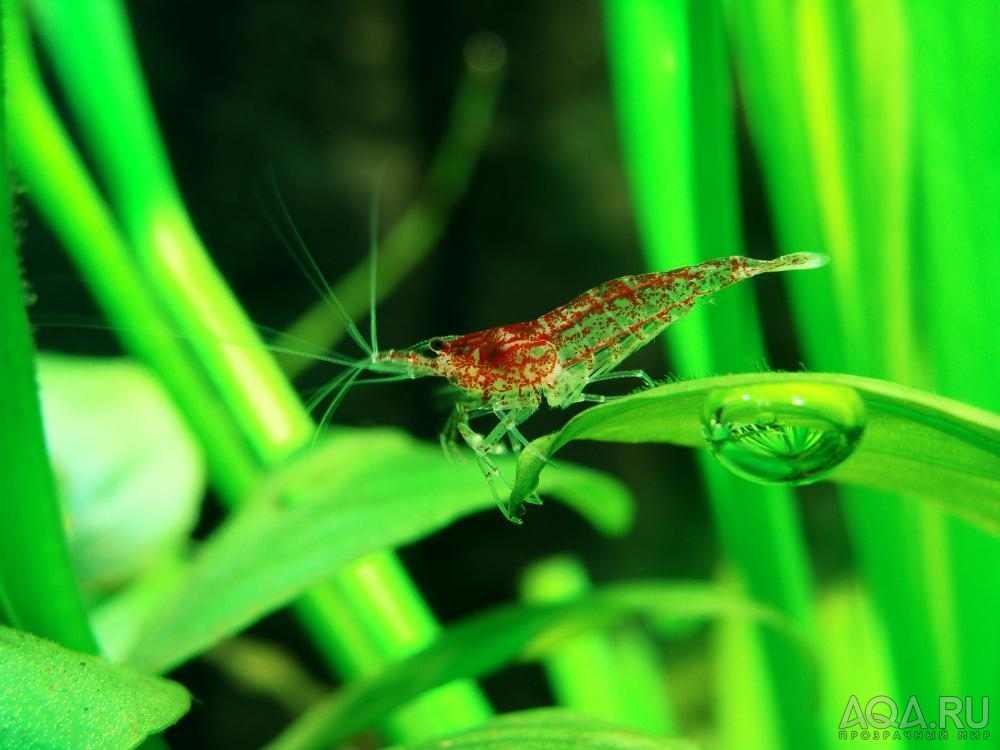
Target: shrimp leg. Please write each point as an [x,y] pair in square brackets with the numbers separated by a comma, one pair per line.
[599,398]
[511,419]
[640,374]
[462,414]
[449,434]
[483,446]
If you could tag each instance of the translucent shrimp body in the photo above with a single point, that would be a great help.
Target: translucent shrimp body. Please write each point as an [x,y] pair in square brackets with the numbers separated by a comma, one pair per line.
[510,370]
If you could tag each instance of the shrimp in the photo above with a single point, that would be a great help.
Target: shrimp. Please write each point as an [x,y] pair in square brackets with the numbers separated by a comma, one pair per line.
[510,370]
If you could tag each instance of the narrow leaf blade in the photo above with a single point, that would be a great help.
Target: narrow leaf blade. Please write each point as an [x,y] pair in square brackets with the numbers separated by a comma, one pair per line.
[914,442]
[551,729]
[363,491]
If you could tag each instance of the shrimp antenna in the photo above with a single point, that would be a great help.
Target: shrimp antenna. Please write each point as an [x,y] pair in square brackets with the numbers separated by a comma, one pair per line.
[293,243]
[325,390]
[373,253]
[342,384]
[333,358]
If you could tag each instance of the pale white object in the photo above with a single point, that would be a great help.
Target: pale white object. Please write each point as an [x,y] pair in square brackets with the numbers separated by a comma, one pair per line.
[130,474]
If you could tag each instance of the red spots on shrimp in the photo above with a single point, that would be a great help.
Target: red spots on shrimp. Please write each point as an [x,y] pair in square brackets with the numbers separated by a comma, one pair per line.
[501,360]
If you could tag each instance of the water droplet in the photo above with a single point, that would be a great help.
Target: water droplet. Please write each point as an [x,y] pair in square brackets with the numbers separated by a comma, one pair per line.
[783,433]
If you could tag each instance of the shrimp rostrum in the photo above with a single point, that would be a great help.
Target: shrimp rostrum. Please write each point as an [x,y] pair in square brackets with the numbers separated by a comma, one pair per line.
[510,370]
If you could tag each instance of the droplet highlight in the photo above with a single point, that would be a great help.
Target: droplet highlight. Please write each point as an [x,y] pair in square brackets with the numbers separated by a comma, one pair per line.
[783,433]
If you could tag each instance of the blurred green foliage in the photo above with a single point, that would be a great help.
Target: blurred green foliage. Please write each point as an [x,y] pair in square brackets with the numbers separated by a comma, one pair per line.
[609,139]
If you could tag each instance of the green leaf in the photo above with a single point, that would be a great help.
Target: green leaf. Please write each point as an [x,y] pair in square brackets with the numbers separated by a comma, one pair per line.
[486,642]
[53,697]
[362,491]
[914,442]
[551,729]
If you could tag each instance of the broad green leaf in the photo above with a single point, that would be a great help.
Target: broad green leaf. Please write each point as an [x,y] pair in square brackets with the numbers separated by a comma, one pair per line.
[914,442]
[484,643]
[362,491]
[551,729]
[51,697]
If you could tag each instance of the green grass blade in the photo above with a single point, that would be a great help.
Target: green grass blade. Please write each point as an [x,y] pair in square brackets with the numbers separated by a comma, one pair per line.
[768,69]
[958,129]
[873,123]
[38,591]
[958,132]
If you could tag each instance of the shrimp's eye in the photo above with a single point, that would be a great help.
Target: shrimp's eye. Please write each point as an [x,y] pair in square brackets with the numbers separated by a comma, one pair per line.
[435,345]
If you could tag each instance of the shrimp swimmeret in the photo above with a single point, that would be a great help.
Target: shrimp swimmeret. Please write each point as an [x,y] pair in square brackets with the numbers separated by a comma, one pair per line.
[508,371]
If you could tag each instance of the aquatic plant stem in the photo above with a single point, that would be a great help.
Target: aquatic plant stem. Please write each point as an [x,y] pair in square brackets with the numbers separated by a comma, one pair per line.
[421,226]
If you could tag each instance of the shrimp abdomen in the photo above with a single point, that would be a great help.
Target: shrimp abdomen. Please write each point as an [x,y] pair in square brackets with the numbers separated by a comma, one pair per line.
[602,326]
